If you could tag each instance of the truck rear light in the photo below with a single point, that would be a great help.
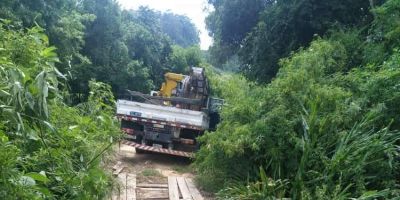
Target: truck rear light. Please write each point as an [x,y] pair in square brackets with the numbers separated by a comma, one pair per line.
[186,141]
[128,131]
[158,126]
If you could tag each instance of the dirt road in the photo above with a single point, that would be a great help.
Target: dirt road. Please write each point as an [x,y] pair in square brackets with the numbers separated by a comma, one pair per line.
[148,168]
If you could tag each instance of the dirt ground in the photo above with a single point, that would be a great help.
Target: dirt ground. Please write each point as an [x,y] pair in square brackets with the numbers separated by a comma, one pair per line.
[152,167]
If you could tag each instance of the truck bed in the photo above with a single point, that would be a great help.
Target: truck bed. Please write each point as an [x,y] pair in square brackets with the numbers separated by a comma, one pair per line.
[159,113]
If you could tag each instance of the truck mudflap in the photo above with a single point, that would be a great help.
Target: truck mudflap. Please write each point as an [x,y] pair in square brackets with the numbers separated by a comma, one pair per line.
[158,150]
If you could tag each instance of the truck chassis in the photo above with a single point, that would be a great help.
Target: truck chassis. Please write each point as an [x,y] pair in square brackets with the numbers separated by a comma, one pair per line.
[148,129]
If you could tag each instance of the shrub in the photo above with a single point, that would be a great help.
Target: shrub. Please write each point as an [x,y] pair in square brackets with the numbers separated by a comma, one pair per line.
[48,150]
[328,133]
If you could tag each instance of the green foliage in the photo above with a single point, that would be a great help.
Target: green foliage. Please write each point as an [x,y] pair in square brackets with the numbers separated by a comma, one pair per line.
[96,39]
[151,172]
[48,150]
[286,26]
[101,96]
[229,23]
[182,59]
[263,32]
[147,44]
[182,169]
[110,49]
[325,128]
[180,29]
[384,33]
[263,189]
[63,23]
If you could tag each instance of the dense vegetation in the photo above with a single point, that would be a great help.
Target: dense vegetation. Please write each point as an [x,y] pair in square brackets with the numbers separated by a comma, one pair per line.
[97,39]
[56,120]
[327,125]
[47,148]
[180,29]
[314,113]
[263,31]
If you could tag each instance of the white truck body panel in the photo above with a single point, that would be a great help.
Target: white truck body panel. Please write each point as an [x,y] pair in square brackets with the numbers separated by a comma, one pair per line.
[163,113]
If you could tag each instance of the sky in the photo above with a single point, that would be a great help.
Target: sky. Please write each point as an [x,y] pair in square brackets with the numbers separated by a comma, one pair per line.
[194,9]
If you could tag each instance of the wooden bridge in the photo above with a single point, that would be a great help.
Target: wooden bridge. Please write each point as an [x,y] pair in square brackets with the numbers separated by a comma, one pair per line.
[178,188]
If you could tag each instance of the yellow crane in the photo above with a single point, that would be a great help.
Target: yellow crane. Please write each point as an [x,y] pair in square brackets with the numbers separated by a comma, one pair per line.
[171,82]
[170,120]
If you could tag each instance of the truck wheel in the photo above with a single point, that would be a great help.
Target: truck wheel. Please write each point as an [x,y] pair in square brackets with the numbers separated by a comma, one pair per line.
[170,146]
[139,151]
[138,139]
[197,148]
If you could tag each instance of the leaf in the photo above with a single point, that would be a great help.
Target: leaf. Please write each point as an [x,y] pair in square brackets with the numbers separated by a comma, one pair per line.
[45,191]
[49,52]
[59,73]
[263,175]
[4,93]
[50,126]
[45,38]
[21,122]
[3,137]
[32,135]
[30,100]
[5,21]
[372,194]
[41,177]
[111,139]
[45,109]
[72,127]
[45,90]
[27,181]
[100,118]
[59,179]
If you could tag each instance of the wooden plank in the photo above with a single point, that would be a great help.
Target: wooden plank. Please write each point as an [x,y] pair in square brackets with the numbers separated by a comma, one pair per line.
[173,188]
[122,189]
[151,198]
[151,194]
[183,188]
[118,170]
[114,195]
[153,189]
[193,190]
[142,185]
[131,187]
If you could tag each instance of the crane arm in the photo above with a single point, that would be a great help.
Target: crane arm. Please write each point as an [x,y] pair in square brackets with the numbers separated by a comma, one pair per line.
[171,81]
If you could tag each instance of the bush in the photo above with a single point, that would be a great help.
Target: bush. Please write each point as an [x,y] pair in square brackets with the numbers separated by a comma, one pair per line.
[328,133]
[48,150]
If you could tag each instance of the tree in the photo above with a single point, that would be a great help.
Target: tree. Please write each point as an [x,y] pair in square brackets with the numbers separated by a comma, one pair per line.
[62,20]
[321,128]
[232,20]
[180,29]
[229,24]
[288,25]
[262,32]
[182,59]
[125,49]
[97,39]
[48,150]
[147,43]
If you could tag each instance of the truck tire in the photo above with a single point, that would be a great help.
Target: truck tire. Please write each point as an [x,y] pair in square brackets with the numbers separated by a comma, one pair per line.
[139,151]
[139,139]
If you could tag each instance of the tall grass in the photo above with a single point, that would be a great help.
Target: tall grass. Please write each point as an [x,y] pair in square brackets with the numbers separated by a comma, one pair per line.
[48,150]
[360,158]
